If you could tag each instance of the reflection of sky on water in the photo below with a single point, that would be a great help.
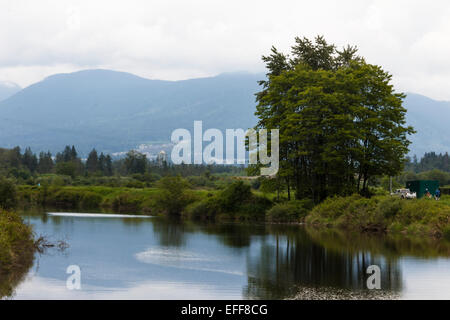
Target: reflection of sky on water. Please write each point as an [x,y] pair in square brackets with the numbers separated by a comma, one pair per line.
[56,290]
[154,259]
[425,280]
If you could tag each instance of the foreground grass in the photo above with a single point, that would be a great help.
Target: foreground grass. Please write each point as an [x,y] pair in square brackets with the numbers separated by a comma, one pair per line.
[16,250]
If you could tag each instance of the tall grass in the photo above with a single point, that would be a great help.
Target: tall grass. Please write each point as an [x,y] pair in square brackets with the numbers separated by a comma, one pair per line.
[386,214]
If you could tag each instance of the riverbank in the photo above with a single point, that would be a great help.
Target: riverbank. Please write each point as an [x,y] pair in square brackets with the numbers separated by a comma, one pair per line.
[419,217]
[17,249]
[237,202]
[95,198]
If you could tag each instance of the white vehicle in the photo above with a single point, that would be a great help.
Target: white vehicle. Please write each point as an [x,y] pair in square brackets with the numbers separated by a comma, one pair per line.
[404,194]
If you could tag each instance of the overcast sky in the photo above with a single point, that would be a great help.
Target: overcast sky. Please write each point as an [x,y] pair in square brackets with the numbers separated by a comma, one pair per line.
[187,39]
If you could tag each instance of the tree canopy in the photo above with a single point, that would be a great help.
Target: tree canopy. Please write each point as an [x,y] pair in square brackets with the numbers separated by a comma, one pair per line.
[340,120]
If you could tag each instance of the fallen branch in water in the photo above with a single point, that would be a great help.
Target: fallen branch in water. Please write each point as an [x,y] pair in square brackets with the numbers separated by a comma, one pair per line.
[42,244]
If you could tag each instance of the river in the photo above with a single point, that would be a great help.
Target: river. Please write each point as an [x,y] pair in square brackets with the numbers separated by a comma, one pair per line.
[154,258]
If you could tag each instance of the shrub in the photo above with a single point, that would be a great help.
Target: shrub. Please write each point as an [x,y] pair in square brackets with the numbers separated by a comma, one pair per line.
[16,240]
[446,233]
[236,201]
[290,211]
[205,209]
[253,208]
[65,198]
[233,196]
[126,202]
[16,251]
[418,217]
[390,207]
[135,184]
[90,200]
[173,195]
[8,194]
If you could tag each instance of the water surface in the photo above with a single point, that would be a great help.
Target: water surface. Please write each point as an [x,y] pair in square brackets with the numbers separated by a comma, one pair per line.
[153,258]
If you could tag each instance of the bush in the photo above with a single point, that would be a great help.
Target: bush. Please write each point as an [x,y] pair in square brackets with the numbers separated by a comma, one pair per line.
[236,201]
[126,202]
[253,208]
[135,184]
[8,194]
[419,217]
[390,207]
[233,196]
[174,195]
[65,198]
[446,233]
[90,200]
[205,209]
[16,251]
[200,181]
[16,240]
[291,211]
[54,180]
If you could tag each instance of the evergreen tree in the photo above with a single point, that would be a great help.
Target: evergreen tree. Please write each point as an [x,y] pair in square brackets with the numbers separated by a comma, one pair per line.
[45,164]
[108,170]
[92,162]
[135,162]
[29,160]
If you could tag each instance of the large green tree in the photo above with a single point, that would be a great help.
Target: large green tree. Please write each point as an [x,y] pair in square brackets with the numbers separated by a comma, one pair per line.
[340,120]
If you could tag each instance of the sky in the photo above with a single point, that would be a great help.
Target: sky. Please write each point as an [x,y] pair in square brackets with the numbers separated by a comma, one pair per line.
[181,39]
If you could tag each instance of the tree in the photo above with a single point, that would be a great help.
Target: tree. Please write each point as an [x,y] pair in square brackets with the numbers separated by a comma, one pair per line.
[67,168]
[173,195]
[108,167]
[340,121]
[92,162]
[29,160]
[45,164]
[8,194]
[105,164]
[135,162]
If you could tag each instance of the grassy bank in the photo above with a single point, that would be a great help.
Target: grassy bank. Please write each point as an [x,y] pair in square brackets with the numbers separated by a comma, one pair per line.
[94,198]
[16,251]
[238,202]
[384,214]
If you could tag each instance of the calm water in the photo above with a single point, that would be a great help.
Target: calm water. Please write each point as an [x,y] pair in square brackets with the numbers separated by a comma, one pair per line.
[152,258]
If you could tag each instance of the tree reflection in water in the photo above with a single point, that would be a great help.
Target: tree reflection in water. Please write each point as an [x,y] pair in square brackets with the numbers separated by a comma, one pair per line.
[10,279]
[296,257]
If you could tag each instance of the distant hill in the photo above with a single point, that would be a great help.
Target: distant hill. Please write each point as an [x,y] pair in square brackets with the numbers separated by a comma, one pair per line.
[430,118]
[116,111]
[7,89]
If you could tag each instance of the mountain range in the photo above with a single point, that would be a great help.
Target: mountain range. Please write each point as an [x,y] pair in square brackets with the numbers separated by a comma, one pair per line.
[116,111]
[7,89]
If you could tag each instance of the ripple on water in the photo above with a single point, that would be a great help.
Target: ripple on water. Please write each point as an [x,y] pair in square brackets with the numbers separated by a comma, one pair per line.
[175,258]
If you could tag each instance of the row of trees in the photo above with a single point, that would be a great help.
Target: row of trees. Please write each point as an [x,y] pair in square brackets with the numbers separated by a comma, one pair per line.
[429,161]
[340,120]
[67,162]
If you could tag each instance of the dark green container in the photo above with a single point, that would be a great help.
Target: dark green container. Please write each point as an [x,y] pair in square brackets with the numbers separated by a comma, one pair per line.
[420,187]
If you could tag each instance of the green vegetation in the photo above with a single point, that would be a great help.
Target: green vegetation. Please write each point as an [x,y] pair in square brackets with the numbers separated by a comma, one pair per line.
[8,195]
[383,214]
[342,136]
[340,121]
[292,211]
[173,196]
[16,250]
[236,202]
